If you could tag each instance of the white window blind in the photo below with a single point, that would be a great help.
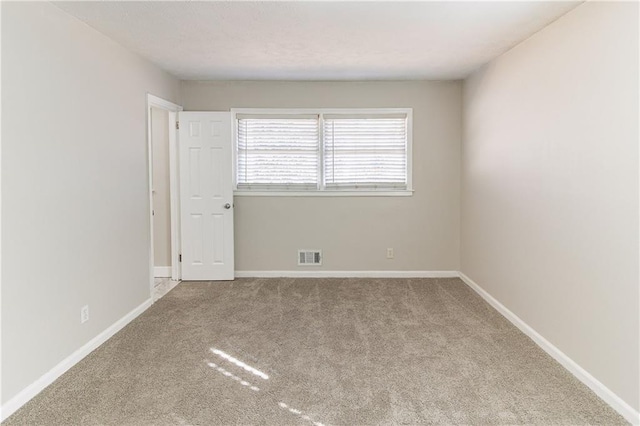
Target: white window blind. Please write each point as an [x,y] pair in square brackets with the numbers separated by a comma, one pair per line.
[334,151]
[277,152]
[365,152]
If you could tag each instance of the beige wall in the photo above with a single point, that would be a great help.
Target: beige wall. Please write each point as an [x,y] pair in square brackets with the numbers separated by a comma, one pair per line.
[161,198]
[550,187]
[75,218]
[354,232]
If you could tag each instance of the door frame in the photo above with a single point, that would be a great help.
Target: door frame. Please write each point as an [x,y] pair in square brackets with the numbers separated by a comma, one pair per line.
[174,196]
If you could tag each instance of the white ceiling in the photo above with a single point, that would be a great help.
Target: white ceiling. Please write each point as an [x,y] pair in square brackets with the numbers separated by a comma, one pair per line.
[318,40]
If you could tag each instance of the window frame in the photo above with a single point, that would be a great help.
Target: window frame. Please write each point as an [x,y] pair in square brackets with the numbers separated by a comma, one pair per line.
[322,190]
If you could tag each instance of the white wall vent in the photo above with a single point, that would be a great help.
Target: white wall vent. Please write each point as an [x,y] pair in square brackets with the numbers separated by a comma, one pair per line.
[309,257]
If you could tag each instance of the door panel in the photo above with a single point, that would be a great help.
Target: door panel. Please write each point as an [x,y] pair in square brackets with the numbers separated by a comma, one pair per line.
[206,187]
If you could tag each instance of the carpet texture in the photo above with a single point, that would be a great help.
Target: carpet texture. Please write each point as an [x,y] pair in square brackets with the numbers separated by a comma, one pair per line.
[284,351]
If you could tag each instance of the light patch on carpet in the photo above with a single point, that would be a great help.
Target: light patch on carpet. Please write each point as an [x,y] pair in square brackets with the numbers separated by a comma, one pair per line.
[230,375]
[239,363]
[299,413]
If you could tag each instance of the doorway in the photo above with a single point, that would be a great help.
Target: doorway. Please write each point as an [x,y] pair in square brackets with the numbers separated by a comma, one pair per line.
[164,247]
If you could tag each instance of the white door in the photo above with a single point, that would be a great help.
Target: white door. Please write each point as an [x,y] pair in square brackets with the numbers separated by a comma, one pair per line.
[206,195]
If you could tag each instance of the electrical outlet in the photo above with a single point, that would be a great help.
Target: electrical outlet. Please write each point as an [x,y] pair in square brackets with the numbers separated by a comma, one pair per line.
[390,253]
[84,314]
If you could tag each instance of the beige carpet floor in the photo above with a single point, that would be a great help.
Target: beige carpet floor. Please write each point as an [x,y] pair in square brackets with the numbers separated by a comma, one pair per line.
[318,352]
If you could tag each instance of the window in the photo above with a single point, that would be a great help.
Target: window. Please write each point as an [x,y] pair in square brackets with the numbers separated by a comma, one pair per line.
[323,152]
[277,152]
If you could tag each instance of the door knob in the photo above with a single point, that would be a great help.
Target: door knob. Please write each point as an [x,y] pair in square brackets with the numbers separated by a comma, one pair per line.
[227,206]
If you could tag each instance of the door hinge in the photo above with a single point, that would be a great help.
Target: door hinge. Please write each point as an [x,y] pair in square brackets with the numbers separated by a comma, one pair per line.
[177,125]
[180,257]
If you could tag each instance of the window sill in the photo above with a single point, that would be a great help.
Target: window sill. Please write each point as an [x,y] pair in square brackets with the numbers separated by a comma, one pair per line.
[360,193]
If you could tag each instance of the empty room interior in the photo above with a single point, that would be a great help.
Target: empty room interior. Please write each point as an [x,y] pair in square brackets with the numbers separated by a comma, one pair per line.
[320,213]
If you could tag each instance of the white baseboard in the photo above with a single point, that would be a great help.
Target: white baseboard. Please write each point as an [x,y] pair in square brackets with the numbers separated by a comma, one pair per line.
[162,271]
[628,412]
[346,274]
[49,377]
